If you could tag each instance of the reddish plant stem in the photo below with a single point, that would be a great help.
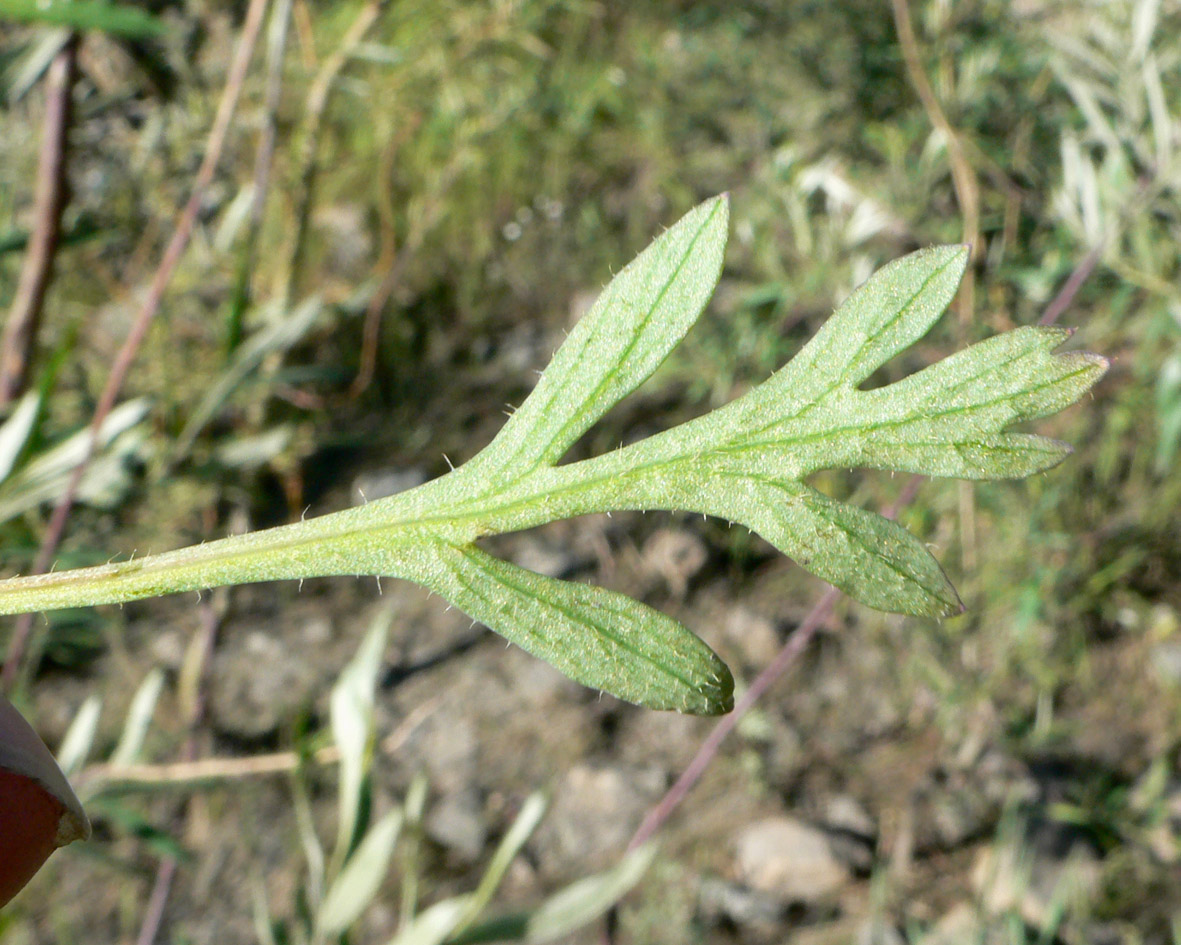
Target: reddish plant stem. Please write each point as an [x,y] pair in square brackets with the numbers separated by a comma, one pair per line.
[154,914]
[796,644]
[144,317]
[263,159]
[211,618]
[51,196]
[1061,302]
[790,652]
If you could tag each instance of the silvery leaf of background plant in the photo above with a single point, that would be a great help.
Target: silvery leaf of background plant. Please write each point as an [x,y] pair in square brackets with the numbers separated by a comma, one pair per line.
[746,462]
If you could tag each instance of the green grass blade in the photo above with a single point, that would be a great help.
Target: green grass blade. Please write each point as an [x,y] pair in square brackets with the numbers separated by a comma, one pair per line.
[359,881]
[122,20]
[567,910]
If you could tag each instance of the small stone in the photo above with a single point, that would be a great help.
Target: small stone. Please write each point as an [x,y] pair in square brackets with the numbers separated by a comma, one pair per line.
[853,851]
[752,634]
[248,703]
[789,859]
[877,931]
[785,758]
[445,745]
[722,900]
[350,245]
[594,813]
[541,557]
[317,631]
[457,824]
[961,923]
[675,554]
[843,813]
[168,648]
[1166,658]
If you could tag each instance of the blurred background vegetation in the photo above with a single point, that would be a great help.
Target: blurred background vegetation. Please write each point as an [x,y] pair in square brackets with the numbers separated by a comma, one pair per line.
[450,182]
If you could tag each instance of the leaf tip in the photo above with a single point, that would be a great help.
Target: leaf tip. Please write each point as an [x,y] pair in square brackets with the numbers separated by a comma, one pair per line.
[721,692]
[950,604]
[713,693]
[720,203]
[1097,362]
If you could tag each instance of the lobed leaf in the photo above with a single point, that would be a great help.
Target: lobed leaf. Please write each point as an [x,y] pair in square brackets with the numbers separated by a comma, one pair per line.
[746,462]
[888,313]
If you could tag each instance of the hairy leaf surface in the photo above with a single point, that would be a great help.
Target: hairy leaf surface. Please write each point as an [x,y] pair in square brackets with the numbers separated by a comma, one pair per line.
[747,462]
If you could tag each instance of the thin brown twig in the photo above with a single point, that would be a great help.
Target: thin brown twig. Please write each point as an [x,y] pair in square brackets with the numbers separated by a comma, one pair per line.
[388,258]
[1061,302]
[784,659]
[264,157]
[791,650]
[394,270]
[145,315]
[95,778]
[317,104]
[212,613]
[1070,288]
[963,177]
[51,195]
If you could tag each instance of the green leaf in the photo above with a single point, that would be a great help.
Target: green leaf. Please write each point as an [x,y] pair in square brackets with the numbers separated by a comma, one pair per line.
[595,636]
[356,885]
[118,19]
[567,910]
[351,708]
[433,926]
[510,845]
[139,718]
[280,332]
[640,317]
[869,557]
[747,462]
[15,431]
[79,739]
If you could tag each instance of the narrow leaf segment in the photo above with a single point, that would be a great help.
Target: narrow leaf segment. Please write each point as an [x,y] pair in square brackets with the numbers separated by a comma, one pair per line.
[746,462]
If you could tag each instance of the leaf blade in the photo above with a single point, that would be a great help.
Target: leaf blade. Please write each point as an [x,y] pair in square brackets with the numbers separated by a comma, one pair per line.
[886,314]
[638,319]
[951,418]
[122,20]
[597,637]
[872,559]
[360,879]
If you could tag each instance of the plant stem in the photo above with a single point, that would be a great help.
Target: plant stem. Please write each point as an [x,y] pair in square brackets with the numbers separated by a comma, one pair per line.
[52,194]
